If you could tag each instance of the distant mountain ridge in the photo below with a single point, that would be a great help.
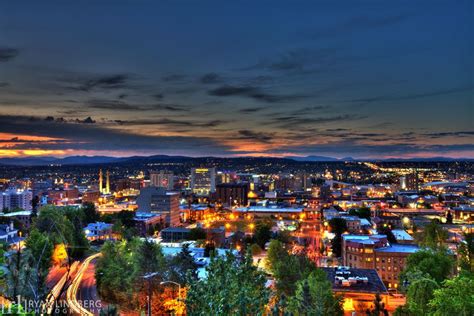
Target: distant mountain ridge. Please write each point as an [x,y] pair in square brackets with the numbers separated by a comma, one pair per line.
[85,160]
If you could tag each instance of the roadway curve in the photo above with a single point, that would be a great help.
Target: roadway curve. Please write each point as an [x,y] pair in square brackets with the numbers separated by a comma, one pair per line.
[56,290]
[71,294]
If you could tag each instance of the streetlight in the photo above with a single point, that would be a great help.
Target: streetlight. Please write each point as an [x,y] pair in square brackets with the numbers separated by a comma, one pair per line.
[148,277]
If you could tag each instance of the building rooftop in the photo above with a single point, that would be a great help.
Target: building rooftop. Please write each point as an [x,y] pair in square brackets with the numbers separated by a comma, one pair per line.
[175,230]
[19,213]
[399,248]
[345,279]
[262,209]
[401,234]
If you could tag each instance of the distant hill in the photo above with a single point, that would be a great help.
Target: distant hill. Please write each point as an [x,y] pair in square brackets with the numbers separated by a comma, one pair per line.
[43,161]
[314,158]
[87,160]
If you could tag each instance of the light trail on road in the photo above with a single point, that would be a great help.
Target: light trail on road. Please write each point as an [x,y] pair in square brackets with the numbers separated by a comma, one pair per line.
[71,294]
[56,290]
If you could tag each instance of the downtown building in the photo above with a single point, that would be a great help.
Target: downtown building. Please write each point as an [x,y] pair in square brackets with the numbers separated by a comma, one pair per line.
[203,181]
[375,252]
[162,179]
[232,194]
[16,199]
[159,202]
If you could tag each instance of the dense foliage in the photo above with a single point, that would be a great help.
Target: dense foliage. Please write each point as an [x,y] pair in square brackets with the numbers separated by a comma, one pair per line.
[232,287]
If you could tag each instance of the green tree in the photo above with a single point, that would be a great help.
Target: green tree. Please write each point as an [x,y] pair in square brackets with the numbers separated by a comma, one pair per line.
[363,212]
[419,294]
[456,297]
[385,230]
[379,307]
[466,253]
[53,222]
[182,267]
[79,244]
[128,267]
[116,272]
[90,213]
[437,264]
[314,296]
[338,227]
[449,218]
[197,233]
[287,269]
[433,235]
[41,249]
[149,258]
[263,233]
[232,287]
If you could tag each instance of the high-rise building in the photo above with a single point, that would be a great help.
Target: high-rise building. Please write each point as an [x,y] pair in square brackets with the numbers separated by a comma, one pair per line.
[162,179]
[226,177]
[203,181]
[159,201]
[233,194]
[12,199]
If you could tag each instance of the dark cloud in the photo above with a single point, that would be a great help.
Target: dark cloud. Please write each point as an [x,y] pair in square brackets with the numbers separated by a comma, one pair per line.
[174,78]
[8,53]
[87,120]
[112,105]
[118,105]
[210,78]
[295,122]
[253,93]
[256,136]
[117,81]
[88,83]
[159,96]
[449,134]
[299,61]
[252,110]
[98,137]
[170,107]
[413,96]
[171,122]
[4,84]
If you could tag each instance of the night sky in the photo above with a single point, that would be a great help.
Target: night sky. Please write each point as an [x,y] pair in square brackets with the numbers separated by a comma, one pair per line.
[365,79]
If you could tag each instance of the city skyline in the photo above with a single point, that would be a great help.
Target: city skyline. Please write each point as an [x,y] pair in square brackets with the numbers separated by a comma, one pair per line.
[205,79]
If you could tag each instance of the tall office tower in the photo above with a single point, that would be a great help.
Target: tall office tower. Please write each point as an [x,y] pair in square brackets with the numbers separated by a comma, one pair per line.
[226,177]
[203,181]
[107,182]
[158,201]
[232,194]
[162,179]
[410,182]
[100,181]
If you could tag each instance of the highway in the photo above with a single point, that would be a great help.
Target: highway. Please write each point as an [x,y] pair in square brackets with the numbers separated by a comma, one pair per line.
[71,295]
[88,290]
[56,290]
